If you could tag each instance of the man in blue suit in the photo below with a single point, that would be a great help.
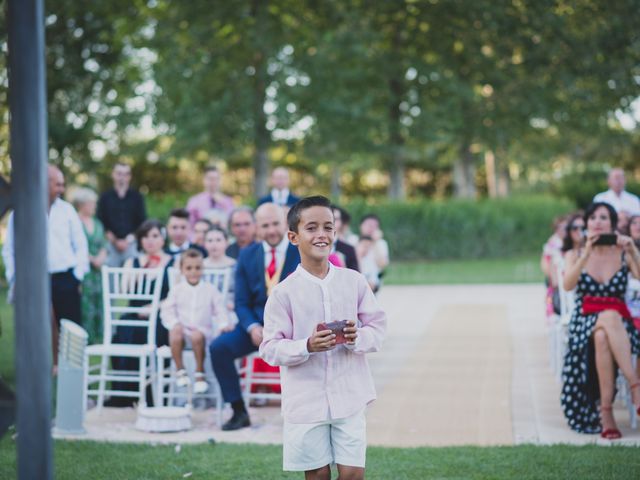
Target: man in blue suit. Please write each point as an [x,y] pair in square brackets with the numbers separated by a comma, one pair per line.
[280,193]
[260,267]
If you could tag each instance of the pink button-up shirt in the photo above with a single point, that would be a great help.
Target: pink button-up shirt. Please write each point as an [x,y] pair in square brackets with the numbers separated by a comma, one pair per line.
[201,204]
[195,307]
[333,384]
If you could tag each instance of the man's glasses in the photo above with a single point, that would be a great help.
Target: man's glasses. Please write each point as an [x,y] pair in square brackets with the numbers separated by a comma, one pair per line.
[577,227]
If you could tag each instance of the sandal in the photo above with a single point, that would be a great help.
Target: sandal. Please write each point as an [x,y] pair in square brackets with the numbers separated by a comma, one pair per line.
[182,379]
[201,385]
[610,433]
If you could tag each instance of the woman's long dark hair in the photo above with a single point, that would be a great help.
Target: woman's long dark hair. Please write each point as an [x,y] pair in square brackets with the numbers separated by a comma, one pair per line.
[567,241]
[613,215]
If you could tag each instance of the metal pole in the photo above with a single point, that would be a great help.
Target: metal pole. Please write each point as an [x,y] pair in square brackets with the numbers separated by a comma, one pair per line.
[28,141]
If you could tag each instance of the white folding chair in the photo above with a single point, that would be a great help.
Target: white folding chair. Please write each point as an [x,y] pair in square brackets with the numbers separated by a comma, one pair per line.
[249,377]
[120,287]
[166,388]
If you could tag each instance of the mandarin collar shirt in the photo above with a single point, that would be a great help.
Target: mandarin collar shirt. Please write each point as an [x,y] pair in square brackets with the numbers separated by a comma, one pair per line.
[323,385]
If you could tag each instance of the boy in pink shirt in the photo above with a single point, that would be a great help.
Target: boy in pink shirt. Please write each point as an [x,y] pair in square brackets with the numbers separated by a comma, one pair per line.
[326,382]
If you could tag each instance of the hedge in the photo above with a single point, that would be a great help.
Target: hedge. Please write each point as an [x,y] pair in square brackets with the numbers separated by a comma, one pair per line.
[446,229]
[465,229]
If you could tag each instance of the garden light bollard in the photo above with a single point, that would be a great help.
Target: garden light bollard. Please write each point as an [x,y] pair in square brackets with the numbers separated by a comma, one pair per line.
[70,395]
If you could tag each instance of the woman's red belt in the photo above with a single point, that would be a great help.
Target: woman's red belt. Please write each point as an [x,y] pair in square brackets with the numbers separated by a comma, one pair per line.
[592,304]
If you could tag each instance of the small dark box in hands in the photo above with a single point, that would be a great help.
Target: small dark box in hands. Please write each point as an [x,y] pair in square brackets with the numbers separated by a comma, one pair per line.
[607,239]
[336,328]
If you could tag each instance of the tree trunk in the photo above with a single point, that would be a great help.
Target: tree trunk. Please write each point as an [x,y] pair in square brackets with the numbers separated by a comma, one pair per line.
[261,134]
[490,169]
[397,189]
[502,171]
[464,174]
[336,188]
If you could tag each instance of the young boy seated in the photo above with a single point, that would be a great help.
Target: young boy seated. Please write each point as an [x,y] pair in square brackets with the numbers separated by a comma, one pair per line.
[193,313]
[326,383]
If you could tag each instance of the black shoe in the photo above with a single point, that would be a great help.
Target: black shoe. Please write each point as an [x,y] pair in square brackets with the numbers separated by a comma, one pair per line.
[238,421]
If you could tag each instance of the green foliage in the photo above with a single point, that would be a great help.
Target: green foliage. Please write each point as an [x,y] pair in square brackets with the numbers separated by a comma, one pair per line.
[159,205]
[464,228]
[82,459]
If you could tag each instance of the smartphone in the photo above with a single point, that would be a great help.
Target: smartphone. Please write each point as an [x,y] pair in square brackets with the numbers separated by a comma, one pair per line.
[336,328]
[607,239]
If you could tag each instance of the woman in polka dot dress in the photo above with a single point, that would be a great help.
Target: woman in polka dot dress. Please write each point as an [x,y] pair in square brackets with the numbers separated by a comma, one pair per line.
[600,338]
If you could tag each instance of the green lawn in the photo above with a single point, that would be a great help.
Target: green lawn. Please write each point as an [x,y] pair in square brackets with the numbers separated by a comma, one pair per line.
[75,460]
[500,270]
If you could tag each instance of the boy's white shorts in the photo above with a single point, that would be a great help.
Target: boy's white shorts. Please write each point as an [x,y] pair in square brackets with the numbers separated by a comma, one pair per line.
[308,446]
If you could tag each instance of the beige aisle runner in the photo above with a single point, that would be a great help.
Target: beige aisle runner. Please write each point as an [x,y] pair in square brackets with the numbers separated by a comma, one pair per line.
[455,388]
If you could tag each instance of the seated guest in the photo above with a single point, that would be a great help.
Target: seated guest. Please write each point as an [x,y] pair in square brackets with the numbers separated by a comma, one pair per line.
[200,205]
[200,229]
[216,242]
[280,193]
[601,333]
[617,196]
[634,229]
[178,233]
[260,267]
[193,313]
[242,225]
[551,251]
[150,243]
[370,227]
[85,200]
[573,236]
[623,222]
[367,261]
[345,251]
[121,211]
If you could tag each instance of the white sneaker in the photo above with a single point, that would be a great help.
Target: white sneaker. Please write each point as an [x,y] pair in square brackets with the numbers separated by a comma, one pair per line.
[200,386]
[182,379]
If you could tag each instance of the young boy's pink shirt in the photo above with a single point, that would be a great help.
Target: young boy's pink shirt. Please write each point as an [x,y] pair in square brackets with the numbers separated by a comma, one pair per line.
[324,385]
[198,307]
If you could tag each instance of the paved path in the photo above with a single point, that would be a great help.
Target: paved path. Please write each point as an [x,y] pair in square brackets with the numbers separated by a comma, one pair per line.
[462,365]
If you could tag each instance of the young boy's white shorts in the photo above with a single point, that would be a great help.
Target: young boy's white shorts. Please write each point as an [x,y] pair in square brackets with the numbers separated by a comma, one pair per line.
[308,446]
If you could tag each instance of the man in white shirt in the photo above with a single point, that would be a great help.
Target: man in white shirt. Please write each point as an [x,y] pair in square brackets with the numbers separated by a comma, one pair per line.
[68,253]
[280,193]
[617,196]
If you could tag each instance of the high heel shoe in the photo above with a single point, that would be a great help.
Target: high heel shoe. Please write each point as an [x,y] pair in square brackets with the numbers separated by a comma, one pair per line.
[610,433]
[631,387]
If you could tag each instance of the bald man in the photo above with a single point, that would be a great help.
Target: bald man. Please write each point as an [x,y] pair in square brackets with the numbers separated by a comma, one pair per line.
[260,266]
[280,194]
[617,196]
[68,253]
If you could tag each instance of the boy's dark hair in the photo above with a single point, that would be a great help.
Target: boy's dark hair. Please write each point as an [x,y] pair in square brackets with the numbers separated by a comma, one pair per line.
[210,168]
[371,216]
[144,229]
[179,213]
[217,228]
[293,217]
[191,253]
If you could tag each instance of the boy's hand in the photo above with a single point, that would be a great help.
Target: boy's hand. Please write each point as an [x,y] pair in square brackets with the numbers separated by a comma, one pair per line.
[321,341]
[350,332]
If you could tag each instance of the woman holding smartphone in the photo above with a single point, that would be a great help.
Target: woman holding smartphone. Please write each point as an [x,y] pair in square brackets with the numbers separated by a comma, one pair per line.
[601,334]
